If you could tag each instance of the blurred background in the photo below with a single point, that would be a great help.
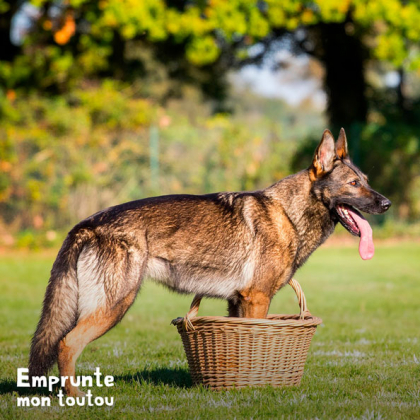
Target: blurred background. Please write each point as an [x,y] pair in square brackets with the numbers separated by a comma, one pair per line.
[103,102]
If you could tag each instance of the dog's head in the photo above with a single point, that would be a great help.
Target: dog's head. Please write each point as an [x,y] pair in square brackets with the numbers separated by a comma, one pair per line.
[344,189]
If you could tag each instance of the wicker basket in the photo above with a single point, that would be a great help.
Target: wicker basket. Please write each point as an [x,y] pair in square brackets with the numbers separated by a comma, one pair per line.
[226,352]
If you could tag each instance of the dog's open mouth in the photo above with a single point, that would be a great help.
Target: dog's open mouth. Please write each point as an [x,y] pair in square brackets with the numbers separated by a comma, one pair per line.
[357,225]
[345,215]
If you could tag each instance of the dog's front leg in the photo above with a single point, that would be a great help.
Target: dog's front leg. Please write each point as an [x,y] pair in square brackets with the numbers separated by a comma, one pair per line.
[253,304]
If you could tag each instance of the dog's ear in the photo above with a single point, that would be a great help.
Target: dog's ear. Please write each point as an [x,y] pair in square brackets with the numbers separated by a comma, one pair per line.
[324,156]
[341,146]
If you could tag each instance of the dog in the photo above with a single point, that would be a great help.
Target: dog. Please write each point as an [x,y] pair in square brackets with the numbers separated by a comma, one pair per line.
[238,246]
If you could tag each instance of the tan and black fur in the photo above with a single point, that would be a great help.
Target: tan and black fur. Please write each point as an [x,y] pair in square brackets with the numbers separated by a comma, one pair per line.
[241,246]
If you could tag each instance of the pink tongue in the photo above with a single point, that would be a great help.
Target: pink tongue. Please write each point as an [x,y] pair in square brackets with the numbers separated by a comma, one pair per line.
[366,248]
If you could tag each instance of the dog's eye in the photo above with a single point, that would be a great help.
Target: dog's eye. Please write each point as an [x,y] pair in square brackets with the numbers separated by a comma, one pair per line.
[354,183]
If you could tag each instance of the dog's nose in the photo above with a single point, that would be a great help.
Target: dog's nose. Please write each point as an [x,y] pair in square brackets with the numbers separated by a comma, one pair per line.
[385,204]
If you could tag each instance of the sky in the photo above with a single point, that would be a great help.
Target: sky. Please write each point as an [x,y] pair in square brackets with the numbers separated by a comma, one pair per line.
[293,83]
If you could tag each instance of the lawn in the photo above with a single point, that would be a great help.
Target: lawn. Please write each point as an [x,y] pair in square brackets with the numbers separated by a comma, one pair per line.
[364,361]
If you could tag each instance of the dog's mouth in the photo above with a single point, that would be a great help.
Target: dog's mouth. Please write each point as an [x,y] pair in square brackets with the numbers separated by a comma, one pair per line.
[357,225]
[345,216]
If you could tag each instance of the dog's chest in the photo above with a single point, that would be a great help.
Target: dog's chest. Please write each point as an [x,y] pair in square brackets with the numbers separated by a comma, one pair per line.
[311,236]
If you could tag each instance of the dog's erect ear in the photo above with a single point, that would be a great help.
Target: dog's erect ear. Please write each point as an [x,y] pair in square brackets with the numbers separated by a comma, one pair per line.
[324,156]
[341,145]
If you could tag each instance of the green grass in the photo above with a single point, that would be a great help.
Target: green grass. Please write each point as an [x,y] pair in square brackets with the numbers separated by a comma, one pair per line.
[364,361]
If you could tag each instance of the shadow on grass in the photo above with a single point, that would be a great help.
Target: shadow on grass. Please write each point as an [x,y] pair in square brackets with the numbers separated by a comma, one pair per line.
[9,387]
[166,376]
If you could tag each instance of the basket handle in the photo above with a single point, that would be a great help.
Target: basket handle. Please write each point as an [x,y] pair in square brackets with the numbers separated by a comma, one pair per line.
[195,305]
[304,311]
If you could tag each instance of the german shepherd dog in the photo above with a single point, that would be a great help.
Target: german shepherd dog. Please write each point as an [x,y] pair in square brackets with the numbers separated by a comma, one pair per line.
[238,246]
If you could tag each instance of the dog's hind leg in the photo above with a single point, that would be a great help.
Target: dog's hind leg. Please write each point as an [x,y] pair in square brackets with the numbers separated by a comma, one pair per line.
[234,307]
[109,281]
[87,330]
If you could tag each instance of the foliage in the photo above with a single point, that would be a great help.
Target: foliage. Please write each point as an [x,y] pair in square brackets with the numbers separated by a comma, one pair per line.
[52,148]
[88,38]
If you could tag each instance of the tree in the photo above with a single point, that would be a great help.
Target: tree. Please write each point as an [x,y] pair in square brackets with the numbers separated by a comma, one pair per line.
[8,51]
[199,41]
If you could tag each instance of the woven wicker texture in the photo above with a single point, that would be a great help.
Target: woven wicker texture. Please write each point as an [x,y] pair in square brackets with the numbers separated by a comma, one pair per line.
[224,352]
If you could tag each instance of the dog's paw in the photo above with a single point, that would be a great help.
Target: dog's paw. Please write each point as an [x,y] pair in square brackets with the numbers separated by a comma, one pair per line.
[75,392]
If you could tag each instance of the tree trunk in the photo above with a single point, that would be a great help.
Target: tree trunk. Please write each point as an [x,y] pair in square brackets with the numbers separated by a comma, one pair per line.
[8,51]
[343,55]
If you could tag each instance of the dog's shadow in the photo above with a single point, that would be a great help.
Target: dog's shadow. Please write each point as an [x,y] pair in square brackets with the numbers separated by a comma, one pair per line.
[179,378]
[163,376]
[8,386]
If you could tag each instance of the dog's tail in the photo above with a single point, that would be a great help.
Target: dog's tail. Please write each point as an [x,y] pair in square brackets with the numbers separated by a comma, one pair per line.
[59,312]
